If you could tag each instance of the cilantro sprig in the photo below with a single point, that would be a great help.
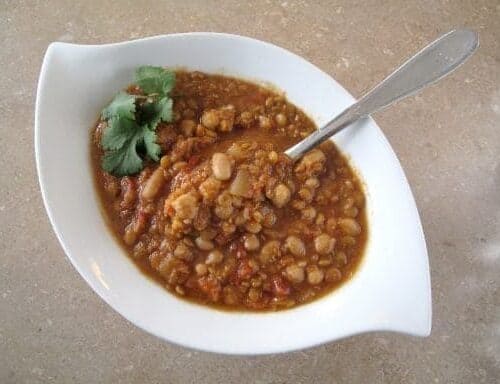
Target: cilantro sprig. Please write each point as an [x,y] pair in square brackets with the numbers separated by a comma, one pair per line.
[130,135]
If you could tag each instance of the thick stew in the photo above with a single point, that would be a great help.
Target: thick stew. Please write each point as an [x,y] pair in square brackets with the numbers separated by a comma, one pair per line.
[223,217]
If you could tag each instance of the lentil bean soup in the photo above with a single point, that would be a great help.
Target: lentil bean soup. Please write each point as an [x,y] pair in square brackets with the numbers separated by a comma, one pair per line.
[225,218]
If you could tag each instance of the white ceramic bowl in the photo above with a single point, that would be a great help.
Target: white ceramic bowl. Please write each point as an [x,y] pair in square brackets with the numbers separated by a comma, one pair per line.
[390,291]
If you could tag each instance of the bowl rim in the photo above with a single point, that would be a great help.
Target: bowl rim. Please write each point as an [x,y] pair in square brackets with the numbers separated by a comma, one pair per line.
[40,172]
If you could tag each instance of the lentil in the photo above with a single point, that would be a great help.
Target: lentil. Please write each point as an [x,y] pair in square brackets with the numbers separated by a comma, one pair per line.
[225,218]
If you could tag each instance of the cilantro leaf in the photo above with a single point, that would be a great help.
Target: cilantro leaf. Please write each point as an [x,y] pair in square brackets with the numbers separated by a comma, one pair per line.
[123,161]
[152,148]
[118,131]
[123,105]
[130,133]
[164,110]
[153,113]
[155,79]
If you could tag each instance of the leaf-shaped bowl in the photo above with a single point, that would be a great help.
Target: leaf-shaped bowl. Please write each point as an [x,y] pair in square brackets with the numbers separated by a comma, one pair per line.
[389,292]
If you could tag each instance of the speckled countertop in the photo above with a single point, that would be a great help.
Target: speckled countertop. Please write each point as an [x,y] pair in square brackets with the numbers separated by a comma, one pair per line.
[55,329]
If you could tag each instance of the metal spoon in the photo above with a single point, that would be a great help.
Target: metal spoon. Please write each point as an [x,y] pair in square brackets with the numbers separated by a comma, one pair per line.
[428,66]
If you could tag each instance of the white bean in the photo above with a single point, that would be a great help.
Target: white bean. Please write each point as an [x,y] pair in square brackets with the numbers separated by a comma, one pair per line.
[153,184]
[221,166]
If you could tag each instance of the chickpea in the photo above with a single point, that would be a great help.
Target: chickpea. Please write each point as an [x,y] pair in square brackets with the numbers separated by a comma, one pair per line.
[270,251]
[223,211]
[295,273]
[258,216]
[221,166]
[210,119]
[228,227]
[312,182]
[240,219]
[182,251]
[246,117]
[311,162]
[253,227]
[251,242]
[295,246]
[282,195]
[186,206]
[269,219]
[309,213]
[314,275]
[349,226]
[210,188]
[224,198]
[324,244]
[306,194]
[332,274]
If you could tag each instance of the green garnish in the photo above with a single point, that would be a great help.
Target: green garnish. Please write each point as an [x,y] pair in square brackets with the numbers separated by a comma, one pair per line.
[155,80]
[130,135]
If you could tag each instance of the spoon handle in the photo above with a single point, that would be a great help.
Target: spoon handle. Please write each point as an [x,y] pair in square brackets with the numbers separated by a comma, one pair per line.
[428,66]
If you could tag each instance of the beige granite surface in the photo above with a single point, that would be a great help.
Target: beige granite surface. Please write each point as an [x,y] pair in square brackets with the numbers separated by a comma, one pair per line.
[55,329]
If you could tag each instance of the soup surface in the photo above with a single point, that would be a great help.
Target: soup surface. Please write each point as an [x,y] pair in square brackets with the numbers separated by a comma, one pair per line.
[225,218]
